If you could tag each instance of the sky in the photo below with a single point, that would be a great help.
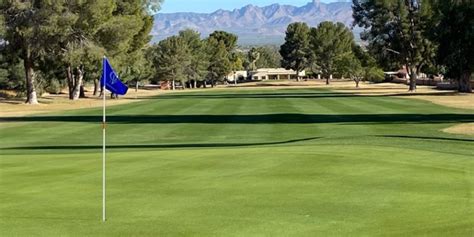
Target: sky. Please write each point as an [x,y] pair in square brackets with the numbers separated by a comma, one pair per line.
[207,6]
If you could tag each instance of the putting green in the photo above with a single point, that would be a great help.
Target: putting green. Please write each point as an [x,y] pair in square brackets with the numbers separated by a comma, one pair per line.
[288,162]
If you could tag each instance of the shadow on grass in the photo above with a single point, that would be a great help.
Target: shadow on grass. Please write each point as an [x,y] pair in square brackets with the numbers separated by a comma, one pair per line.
[49,218]
[302,95]
[256,95]
[428,138]
[289,118]
[157,146]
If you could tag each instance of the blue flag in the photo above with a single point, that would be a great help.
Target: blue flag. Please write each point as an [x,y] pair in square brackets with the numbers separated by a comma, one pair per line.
[111,80]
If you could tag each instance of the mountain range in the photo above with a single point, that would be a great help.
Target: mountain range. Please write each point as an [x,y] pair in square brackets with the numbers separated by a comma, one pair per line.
[254,25]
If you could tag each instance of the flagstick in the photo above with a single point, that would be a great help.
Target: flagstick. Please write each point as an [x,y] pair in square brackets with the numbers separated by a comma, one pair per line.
[103,151]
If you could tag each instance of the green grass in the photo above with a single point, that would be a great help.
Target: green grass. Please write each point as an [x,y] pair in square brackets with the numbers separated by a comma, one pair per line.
[289,162]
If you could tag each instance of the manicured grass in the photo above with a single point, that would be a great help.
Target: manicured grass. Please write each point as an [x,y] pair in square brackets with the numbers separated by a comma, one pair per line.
[288,162]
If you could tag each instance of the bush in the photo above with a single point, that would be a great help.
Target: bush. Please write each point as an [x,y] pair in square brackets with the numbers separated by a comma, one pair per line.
[54,87]
[375,75]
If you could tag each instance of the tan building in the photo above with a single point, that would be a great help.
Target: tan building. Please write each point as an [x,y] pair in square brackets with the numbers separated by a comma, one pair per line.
[275,74]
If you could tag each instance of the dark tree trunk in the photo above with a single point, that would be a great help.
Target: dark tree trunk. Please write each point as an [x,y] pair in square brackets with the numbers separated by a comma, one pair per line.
[413,77]
[357,81]
[78,83]
[70,81]
[328,79]
[464,84]
[31,97]
[82,93]
[96,87]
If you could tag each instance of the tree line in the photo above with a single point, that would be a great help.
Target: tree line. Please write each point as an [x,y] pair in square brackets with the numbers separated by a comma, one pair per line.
[194,62]
[51,45]
[328,49]
[432,36]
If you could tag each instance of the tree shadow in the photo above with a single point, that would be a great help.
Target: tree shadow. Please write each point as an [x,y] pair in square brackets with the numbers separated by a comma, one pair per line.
[300,95]
[286,118]
[408,94]
[158,146]
[256,95]
[50,218]
[428,138]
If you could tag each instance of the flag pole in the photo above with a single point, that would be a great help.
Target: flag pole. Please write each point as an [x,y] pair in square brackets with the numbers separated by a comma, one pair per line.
[111,82]
[103,141]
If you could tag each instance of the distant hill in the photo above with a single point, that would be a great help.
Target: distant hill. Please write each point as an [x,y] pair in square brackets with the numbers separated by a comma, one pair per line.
[253,24]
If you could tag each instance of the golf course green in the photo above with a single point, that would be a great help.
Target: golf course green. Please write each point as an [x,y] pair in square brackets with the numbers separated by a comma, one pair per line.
[254,162]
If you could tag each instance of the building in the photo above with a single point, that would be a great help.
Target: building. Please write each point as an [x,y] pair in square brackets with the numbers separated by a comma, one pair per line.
[275,74]
[239,75]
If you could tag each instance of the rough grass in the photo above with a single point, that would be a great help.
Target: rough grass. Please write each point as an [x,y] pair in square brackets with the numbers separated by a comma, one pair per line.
[60,102]
[289,162]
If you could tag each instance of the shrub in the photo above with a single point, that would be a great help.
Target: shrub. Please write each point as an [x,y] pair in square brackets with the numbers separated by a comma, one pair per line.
[375,75]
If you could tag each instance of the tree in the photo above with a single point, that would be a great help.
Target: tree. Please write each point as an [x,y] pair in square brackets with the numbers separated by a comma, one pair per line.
[81,59]
[11,70]
[75,35]
[236,64]
[331,44]
[27,29]
[219,64]
[127,33]
[221,49]
[253,56]
[171,59]
[152,6]
[269,57]
[139,69]
[398,28]
[229,40]
[76,47]
[372,71]
[199,58]
[353,67]
[456,39]
[294,51]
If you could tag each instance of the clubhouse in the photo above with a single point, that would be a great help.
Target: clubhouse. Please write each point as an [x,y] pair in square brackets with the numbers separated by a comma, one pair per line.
[275,74]
[266,74]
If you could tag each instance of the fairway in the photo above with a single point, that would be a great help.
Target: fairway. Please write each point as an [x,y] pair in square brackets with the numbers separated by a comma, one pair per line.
[253,162]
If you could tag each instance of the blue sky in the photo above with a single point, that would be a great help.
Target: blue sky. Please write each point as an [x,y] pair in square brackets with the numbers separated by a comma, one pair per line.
[206,6]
